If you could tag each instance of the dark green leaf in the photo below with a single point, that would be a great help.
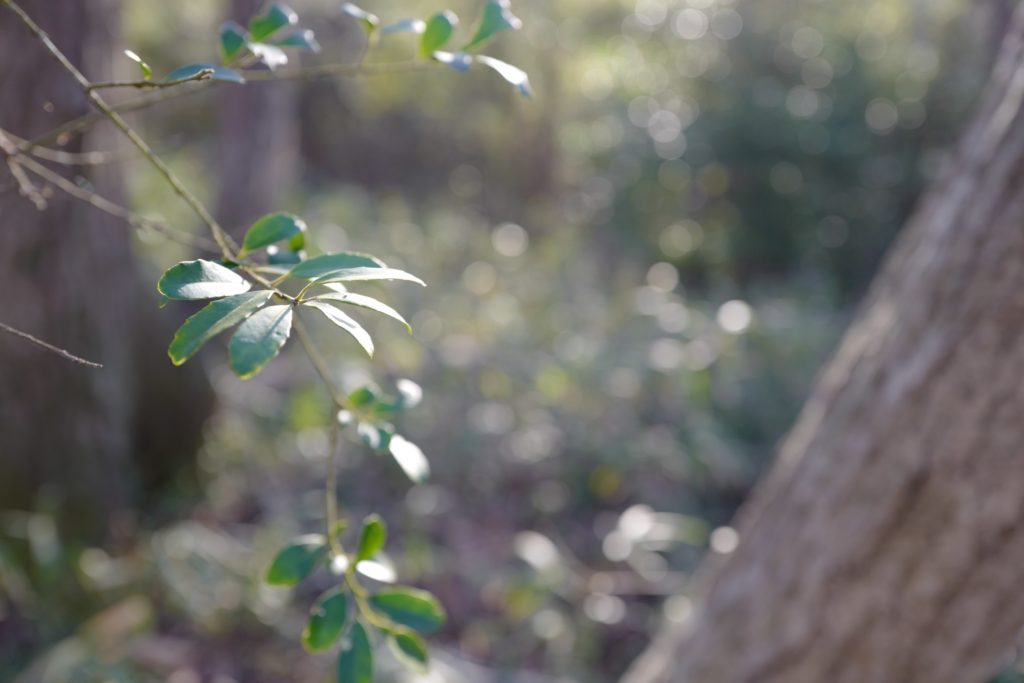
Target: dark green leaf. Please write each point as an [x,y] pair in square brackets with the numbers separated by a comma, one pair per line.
[285,257]
[220,73]
[376,436]
[270,55]
[355,664]
[326,621]
[363,301]
[200,279]
[212,320]
[372,538]
[438,32]
[232,41]
[459,61]
[365,274]
[497,17]
[410,650]
[405,26]
[328,263]
[303,39]
[345,322]
[277,16]
[297,560]
[369,21]
[259,339]
[411,607]
[410,458]
[147,73]
[512,74]
[274,228]
[362,397]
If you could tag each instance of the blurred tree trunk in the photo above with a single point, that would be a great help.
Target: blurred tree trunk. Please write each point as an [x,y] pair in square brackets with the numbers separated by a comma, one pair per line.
[886,545]
[86,442]
[258,143]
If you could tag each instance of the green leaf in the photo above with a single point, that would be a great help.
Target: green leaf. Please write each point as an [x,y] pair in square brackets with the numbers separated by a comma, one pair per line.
[372,538]
[411,393]
[328,263]
[326,621]
[200,279]
[363,301]
[438,32]
[297,560]
[220,73]
[405,26]
[345,322]
[368,20]
[277,16]
[270,55]
[411,607]
[459,61]
[362,397]
[376,435]
[147,73]
[285,257]
[410,458]
[355,664]
[497,17]
[361,274]
[274,228]
[303,39]
[410,650]
[212,320]
[259,339]
[512,74]
[232,41]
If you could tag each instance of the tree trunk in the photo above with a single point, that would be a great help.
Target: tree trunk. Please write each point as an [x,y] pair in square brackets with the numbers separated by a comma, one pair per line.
[81,441]
[886,545]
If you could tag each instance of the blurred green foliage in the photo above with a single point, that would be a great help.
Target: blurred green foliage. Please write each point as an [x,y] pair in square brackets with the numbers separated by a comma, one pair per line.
[633,278]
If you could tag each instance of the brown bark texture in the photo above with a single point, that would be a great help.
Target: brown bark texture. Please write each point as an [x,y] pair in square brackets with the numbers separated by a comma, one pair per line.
[887,544]
[84,443]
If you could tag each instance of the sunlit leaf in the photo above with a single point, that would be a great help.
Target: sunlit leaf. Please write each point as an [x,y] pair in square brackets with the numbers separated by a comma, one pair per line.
[363,301]
[410,458]
[232,41]
[277,16]
[497,17]
[372,538]
[303,39]
[297,560]
[220,73]
[410,392]
[411,607]
[410,650]
[328,263]
[512,74]
[355,664]
[259,339]
[147,72]
[270,55]
[438,32]
[200,279]
[273,228]
[368,20]
[345,322]
[362,274]
[376,435]
[405,26]
[379,569]
[459,61]
[327,620]
[284,257]
[215,318]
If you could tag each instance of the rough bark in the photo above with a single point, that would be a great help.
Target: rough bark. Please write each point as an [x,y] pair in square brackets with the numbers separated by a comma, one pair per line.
[82,442]
[886,545]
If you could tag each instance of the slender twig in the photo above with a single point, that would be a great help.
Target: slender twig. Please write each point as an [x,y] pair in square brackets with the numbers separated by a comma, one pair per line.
[100,202]
[58,156]
[331,488]
[319,364]
[49,347]
[201,75]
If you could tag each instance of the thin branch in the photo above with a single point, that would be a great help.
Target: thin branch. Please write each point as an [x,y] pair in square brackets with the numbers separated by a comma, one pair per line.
[49,347]
[57,156]
[201,75]
[319,364]
[100,202]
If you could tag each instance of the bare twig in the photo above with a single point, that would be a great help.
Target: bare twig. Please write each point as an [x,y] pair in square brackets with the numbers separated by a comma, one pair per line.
[201,75]
[58,156]
[49,347]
